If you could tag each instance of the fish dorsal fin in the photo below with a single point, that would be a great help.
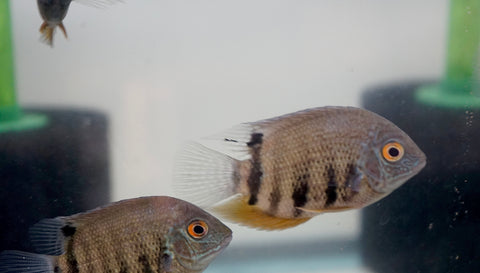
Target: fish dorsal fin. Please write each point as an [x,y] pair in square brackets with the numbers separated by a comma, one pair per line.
[237,210]
[49,235]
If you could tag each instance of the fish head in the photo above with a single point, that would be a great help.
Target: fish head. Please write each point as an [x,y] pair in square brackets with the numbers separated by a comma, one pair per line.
[197,238]
[389,157]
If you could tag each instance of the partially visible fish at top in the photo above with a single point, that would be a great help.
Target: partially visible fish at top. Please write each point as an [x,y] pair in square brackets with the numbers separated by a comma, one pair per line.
[54,11]
[147,234]
[299,165]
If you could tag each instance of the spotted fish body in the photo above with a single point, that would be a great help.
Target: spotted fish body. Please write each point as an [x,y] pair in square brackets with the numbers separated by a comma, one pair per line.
[302,164]
[149,234]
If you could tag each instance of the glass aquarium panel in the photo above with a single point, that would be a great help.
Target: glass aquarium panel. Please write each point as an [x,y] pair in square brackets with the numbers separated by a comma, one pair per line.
[117,97]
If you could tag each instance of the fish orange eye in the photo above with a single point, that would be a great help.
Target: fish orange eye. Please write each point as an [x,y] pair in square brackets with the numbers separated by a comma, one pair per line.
[197,229]
[392,151]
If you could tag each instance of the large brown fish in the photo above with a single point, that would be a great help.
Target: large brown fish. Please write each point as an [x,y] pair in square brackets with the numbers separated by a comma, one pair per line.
[299,165]
[54,11]
[148,234]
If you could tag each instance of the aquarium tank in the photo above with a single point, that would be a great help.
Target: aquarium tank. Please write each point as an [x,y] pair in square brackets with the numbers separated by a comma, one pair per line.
[99,97]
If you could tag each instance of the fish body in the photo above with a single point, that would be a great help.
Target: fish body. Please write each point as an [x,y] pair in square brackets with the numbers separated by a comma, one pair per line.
[54,11]
[299,165]
[148,234]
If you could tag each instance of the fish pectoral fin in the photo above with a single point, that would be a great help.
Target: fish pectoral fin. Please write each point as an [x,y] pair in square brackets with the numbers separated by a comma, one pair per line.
[239,211]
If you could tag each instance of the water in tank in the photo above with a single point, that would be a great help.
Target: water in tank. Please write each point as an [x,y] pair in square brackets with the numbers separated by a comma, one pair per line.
[327,136]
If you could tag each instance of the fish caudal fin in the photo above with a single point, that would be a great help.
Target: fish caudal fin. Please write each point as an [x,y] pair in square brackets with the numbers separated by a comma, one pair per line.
[12,261]
[239,211]
[204,176]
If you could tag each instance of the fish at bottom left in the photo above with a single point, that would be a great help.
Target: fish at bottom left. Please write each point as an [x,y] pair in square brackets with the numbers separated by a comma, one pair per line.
[146,234]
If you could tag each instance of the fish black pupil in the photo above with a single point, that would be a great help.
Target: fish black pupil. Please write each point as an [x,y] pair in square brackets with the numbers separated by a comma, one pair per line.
[198,229]
[393,152]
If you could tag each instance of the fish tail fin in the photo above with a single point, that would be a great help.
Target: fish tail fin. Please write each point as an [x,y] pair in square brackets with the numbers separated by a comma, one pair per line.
[239,211]
[13,261]
[204,176]
[62,27]
[47,32]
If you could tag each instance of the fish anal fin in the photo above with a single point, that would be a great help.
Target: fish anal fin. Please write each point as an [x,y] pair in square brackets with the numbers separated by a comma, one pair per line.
[320,211]
[237,210]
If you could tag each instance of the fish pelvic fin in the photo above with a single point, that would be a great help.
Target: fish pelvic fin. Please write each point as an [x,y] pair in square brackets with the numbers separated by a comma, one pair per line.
[62,27]
[24,262]
[239,211]
[47,32]
[204,176]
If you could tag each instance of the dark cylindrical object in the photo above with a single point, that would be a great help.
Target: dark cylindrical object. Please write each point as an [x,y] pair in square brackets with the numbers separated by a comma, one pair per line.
[60,169]
[432,223]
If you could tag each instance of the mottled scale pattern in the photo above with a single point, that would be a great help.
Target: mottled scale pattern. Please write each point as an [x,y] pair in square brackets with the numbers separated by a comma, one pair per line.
[309,159]
[146,234]
[95,248]
[299,165]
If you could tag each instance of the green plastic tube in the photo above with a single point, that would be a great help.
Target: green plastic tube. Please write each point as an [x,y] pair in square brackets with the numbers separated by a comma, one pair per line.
[460,86]
[8,103]
[11,116]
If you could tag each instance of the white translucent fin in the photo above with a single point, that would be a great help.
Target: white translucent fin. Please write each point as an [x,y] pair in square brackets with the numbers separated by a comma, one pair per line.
[239,211]
[232,141]
[12,261]
[98,3]
[47,236]
[204,176]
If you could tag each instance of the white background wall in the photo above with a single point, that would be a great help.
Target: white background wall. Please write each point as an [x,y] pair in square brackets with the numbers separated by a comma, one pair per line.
[170,70]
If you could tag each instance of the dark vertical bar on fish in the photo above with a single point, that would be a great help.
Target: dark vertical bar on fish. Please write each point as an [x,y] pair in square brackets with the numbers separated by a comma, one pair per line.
[331,191]
[255,177]
[146,267]
[300,189]
[275,197]
[72,263]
